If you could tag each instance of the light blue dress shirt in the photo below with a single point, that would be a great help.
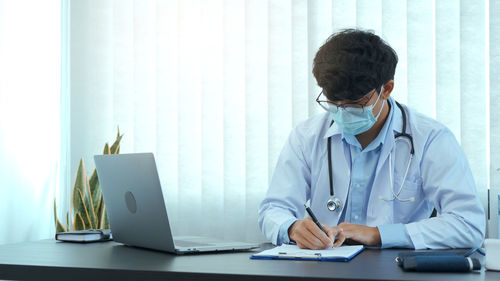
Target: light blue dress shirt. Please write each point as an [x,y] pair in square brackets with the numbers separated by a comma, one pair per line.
[439,177]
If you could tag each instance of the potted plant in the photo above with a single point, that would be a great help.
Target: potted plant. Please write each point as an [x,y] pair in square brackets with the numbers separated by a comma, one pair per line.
[87,209]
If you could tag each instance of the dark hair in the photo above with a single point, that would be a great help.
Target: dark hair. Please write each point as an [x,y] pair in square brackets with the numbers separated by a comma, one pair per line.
[353,62]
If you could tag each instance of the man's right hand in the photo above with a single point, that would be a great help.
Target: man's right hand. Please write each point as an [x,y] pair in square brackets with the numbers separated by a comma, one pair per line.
[308,235]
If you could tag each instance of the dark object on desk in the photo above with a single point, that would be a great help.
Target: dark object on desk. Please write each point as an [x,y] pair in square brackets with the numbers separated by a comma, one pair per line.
[438,261]
[85,236]
[440,264]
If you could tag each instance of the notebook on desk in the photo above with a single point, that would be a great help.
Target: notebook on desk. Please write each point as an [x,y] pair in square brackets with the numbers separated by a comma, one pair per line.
[136,209]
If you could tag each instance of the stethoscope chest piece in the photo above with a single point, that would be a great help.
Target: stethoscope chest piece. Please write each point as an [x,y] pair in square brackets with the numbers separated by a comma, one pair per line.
[333,204]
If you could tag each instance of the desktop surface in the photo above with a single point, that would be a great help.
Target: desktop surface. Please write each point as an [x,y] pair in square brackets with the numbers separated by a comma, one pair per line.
[52,260]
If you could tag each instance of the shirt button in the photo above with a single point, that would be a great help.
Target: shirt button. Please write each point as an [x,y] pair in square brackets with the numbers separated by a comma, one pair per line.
[357,185]
[356,217]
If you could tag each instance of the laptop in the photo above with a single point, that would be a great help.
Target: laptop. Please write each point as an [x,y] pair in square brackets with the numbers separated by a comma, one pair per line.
[136,209]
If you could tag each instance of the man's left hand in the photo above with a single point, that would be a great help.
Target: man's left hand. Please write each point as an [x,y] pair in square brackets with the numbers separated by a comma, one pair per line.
[366,235]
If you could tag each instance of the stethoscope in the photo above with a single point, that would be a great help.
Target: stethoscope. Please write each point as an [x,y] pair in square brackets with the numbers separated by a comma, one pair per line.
[334,203]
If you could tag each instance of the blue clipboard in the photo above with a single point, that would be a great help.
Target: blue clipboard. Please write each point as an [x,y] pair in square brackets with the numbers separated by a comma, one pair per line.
[308,257]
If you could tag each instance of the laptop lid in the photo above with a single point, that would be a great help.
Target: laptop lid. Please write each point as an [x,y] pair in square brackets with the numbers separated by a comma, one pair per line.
[134,200]
[136,207]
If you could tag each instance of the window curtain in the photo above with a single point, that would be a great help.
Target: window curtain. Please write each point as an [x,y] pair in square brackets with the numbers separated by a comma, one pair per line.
[30,146]
[214,87]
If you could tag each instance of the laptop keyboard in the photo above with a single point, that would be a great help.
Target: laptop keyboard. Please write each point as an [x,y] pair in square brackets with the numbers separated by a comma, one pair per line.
[182,243]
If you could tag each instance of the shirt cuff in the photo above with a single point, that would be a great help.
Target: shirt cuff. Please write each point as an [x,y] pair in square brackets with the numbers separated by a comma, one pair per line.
[283,237]
[394,235]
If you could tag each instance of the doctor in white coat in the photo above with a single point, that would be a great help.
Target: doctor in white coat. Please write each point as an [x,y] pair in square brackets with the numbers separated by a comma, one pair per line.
[389,165]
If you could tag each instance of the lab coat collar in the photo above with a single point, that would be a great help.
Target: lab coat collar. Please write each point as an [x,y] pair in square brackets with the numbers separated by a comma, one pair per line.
[333,130]
[395,126]
[397,118]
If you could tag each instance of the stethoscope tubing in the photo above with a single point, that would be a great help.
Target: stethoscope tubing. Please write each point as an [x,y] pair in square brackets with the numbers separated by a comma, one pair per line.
[403,134]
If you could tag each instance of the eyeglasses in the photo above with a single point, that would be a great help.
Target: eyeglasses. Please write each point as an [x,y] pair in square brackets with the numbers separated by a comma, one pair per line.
[349,107]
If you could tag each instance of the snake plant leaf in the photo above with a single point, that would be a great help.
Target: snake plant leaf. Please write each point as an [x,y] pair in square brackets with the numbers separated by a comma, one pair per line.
[115,148]
[59,226]
[99,206]
[67,221]
[104,217]
[95,191]
[85,211]
[78,223]
[97,198]
[89,204]
[105,221]
[79,187]
[106,149]
[93,181]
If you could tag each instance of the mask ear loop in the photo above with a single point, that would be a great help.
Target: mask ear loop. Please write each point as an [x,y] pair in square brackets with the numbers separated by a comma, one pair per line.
[383,102]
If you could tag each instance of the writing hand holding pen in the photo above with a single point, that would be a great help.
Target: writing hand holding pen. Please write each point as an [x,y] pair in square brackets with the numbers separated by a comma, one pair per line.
[309,234]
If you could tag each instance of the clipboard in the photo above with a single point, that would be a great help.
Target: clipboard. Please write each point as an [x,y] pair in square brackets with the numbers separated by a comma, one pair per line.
[293,252]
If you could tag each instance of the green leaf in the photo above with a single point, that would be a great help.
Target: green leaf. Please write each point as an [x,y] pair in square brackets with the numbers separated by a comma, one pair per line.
[89,204]
[78,223]
[105,224]
[59,225]
[106,149]
[67,221]
[104,216]
[115,148]
[79,187]
[95,190]
[99,206]
[86,216]
[93,181]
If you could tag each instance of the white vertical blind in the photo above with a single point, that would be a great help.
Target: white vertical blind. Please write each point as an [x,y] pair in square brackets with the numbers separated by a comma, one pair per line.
[257,166]
[395,32]
[213,87]
[421,65]
[473,101]
[448,64]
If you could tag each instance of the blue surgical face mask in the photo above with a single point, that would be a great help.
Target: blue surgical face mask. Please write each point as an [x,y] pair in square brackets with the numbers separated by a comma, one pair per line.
[357,120]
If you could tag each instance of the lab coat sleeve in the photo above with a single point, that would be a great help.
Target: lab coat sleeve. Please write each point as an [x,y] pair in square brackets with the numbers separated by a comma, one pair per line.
[283,237]
[394,235]
[288,190]
[448,184]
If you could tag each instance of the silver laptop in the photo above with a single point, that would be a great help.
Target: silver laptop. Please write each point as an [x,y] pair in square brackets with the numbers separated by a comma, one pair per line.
[136,208]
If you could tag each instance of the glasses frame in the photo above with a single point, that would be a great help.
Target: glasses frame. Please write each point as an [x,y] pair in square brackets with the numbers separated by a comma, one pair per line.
[354,104]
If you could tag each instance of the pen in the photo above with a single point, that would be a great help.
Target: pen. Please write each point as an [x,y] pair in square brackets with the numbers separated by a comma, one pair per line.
[315,220]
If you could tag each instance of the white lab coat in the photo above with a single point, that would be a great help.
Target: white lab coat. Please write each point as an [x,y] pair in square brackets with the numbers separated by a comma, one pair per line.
[439,177]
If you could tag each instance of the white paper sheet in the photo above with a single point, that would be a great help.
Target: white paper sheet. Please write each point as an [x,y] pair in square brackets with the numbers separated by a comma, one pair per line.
[286,250]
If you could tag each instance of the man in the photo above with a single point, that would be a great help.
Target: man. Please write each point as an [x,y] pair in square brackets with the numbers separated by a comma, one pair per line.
[389,165]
